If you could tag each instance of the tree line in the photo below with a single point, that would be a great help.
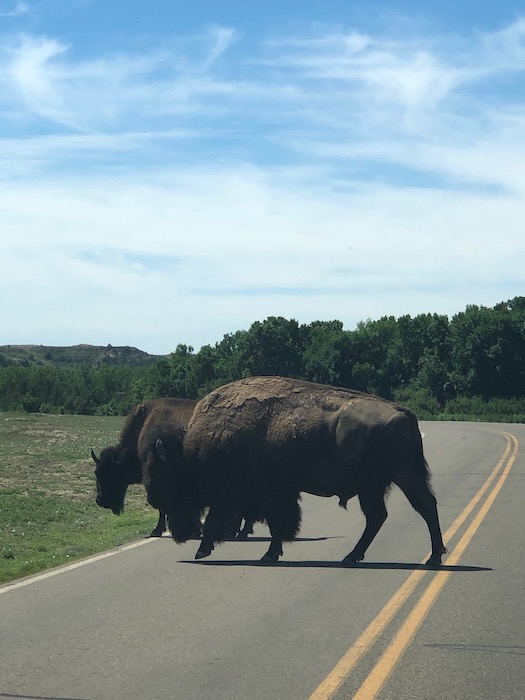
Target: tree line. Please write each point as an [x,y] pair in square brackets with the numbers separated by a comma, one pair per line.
[472,365]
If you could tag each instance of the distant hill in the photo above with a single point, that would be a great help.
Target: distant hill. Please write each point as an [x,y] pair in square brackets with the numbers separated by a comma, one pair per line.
[74,356]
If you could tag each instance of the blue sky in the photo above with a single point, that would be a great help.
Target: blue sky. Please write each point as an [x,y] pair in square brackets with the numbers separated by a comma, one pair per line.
[171,171]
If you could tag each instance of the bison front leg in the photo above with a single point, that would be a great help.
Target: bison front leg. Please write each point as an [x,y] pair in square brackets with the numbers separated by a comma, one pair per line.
[373,506]
[222,520]
[160,527]
[284,521]
[206,548]
[247,529]
[275,550]
[209,536]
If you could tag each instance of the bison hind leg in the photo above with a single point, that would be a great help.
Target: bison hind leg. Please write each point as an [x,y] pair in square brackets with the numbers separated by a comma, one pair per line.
[434,561]
[424,502]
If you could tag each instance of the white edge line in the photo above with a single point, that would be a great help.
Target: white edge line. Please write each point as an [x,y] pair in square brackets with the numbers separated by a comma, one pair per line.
[74,565]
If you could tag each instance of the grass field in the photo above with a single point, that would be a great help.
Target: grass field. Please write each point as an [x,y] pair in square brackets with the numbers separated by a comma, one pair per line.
[48,514]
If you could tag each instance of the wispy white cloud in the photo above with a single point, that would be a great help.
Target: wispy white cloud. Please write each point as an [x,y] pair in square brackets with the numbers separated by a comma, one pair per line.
[503,50]
[350,79]
[373,70]
[221,38]
[19,9]
[33,76]
[41,78]
[421,104]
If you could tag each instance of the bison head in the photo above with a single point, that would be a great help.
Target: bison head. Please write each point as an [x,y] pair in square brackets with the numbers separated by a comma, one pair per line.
[171,487]
[113,478]
[159,477]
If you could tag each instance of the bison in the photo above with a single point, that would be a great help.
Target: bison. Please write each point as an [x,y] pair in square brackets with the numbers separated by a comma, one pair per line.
[256,444]
[120,465]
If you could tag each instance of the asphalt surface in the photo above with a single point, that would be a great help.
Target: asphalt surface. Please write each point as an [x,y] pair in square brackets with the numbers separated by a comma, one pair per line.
[149,622]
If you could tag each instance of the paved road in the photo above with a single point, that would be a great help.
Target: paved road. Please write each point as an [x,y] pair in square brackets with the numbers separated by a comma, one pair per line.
[151,623]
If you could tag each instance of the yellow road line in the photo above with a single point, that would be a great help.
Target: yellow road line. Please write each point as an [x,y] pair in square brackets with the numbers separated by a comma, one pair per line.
[345,665]
[379,674]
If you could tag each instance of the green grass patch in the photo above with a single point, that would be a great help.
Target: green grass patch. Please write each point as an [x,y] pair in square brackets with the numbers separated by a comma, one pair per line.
[48,514]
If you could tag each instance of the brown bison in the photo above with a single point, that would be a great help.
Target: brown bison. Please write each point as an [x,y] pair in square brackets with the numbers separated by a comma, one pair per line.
[120,465]
[254,445]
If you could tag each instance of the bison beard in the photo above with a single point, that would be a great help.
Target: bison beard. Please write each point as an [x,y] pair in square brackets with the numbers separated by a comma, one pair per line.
[254,445]
[115,470]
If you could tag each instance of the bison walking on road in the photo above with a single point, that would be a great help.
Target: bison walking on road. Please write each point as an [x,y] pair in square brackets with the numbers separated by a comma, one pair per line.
[120,465]
[254,445]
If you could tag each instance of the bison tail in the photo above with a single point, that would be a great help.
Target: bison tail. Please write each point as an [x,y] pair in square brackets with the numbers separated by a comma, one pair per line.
[417,456]
[421,467]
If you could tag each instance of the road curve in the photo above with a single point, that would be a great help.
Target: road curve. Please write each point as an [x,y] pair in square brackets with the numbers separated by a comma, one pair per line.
[150,622]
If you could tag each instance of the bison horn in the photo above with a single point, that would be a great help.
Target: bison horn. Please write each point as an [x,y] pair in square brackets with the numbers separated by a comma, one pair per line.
[95,458]
[161,450]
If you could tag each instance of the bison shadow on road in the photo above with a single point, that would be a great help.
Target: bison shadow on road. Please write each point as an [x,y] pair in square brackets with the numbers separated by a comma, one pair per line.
[336,565]
[253,538]
[484,648]
[36,697]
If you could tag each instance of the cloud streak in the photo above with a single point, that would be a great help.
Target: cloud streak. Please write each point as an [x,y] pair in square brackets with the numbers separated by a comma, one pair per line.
[19,9]
[350,90]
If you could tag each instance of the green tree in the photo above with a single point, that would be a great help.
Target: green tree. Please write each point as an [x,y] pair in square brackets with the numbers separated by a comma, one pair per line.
[488,352]
[228,364]
[377,358]
[426,353]
[322,355]
[158,379]
[273,347]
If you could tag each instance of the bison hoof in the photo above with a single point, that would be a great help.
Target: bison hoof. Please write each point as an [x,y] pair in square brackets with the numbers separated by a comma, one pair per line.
[155,533]
[434,562]
[241,535]
[352,559]
[270,558]
[201,553]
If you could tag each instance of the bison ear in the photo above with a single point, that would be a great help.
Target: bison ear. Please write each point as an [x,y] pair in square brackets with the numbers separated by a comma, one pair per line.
[161,450]
[95,458]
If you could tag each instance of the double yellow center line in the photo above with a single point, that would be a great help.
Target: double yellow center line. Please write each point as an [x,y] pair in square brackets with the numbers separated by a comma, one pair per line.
[379,674]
